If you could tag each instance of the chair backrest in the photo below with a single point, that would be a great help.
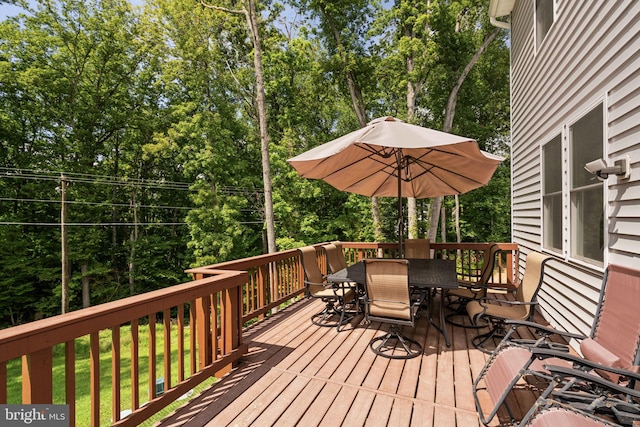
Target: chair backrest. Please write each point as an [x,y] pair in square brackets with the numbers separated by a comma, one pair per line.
[531,280]
[417,248]
[314,277]
[335,258]
[489,263]
[616,326]
[387,286]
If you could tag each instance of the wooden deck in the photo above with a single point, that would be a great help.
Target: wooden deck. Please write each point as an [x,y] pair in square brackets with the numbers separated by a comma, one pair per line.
[296,373]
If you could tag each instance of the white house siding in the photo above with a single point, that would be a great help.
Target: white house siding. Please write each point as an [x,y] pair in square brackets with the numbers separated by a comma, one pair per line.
[590,54]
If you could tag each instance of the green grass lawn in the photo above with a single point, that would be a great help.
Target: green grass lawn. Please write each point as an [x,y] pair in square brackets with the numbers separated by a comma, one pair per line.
[83,398]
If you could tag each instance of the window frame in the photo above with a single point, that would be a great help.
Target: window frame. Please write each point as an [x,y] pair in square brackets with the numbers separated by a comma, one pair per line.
[569,222]
[552,194]
[595,184]
[538,38]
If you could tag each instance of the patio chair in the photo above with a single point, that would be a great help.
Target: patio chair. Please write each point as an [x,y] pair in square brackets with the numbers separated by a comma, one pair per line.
[457,299]
[335,258]
[614,338]
[388,300]
[337,262]
[611,350]
[335,296]
[551,413]
[498,311]
[417,248]
[590,394]
[584,387]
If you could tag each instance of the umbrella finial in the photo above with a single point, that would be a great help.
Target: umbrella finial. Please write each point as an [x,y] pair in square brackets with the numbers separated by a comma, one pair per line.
[384,119]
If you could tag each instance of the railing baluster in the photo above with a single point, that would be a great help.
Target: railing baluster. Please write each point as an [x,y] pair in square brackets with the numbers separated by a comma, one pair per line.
[94,356]
[3,383]
[70,379]
[152,356]
[167,349]
[135,366]
[115,372]
[180,342]
[192,336]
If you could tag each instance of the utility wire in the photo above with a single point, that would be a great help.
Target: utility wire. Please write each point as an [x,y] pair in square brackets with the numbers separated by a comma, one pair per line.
[110,224]
[75,202]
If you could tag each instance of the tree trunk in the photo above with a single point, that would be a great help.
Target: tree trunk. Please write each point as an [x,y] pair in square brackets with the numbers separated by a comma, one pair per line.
[412,92]
[252,22]
[355,93]
[65,253]
[450,111]
[86,294]
[436,203]
[133,238]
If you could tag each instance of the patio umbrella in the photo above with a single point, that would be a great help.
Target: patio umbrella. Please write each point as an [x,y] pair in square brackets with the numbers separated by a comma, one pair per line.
[389,157]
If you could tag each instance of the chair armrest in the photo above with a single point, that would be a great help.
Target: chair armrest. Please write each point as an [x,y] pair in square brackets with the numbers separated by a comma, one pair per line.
[324,284]
[473,285]
[542,329]
[564,372]
[502,301]
[582,364]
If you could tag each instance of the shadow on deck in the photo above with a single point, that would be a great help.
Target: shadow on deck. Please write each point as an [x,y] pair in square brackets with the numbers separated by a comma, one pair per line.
[296,373]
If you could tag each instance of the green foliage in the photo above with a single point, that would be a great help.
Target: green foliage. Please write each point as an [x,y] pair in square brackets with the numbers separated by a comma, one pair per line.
[150,114]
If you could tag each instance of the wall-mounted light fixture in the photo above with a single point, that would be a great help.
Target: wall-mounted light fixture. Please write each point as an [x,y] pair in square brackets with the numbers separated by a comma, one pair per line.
[620,168]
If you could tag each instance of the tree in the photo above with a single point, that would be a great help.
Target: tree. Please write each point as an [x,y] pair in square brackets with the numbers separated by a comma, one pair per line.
[253,25]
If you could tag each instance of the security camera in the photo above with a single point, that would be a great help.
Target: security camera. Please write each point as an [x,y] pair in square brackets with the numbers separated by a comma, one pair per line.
[600,169]
[595,166]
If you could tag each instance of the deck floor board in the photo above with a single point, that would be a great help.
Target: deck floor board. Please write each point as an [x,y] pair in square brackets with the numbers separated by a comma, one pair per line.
[298,374]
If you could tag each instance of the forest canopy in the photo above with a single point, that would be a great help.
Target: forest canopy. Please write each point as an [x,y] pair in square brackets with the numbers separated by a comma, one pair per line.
[143,120]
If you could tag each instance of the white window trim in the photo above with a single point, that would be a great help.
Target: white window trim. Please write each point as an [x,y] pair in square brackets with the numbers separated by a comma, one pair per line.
[538,46]
[563,152]
[566,208]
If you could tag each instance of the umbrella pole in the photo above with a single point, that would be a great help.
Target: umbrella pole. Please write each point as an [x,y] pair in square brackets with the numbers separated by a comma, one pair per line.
[400,215]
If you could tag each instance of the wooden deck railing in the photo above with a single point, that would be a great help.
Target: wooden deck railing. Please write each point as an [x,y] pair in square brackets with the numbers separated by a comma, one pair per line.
[207,315]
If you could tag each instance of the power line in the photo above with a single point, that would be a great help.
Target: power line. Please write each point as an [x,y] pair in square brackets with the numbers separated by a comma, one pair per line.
[89,224]
[109,224]
[75,202]
[92,179]
[19,173]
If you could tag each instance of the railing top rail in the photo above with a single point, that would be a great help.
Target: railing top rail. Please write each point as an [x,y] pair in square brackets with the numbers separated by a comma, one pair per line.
[246,263]
[31,337]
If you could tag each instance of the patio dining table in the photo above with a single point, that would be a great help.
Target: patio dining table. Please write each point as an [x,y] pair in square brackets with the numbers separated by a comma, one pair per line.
[424,275]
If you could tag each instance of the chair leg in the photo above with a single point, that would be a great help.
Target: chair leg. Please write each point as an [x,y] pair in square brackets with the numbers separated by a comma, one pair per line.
[497,331]
[410,346]
[459,308]
[449,318]
[323,318]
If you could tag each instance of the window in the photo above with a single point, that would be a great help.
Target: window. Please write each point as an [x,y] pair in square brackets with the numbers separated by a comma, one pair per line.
[552,194]
[586,138]
[544,19]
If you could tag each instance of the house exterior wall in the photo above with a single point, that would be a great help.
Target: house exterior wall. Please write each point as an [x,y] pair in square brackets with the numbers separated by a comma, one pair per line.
[591,54]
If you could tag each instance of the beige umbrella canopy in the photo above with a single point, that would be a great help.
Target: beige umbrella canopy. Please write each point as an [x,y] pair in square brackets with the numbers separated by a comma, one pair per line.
[389,157]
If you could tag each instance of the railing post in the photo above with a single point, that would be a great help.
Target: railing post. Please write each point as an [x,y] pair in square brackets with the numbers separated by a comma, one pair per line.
[37,382]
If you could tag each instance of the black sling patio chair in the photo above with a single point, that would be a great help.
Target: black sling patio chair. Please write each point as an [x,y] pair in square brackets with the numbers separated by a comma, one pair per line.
[498,311]
[335,296]
[388,300]
[457,299]
[417,248]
